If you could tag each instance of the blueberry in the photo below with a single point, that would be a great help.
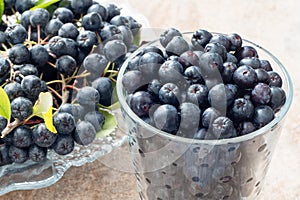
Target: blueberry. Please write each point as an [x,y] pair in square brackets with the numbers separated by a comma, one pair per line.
[275,79]
[153,49]
[92,21]
[209,115]
[4,157]
[114,49]
[132,80]
[231,58]
[235,41]
[4,66]
[141,103]
[245,77]
[263,114]
[253,62]
[166,118]
[64,122]
[31,85]
[105,88]
[23,5]
[193,75]
[262,75]
[278,98]
[3,38]
[153,88]
[110,32]
[95,63]
[88,97]
[16,34]
[227,71]
[80,7]
[177,46]
[245,127]
[189,118]
[38,55]
[245,51]
[201,134]
[68,30]
[169,93]
[127,35]
[39,16]
[134,25]
[242,109]
[13,90]
[112,10]
[210,63]
[22,136]
[189,58]
[71,109]
[200,38]
[198,94]
[70,47]
[96,118]
[100,9]
[65,15]
[84,133]
[53,27]
[37,154]
[218,97]
[171,71]
[64,144]
[19,54]
[223,128]
[86,39]
[216,48]
[221,39]
[57,46]
[21,108]
[133,63]
[264,64]
[150,63]
[17,155]
[168,35]
[25,16]
[261,94]
[120,20]
[66,65]
[3,123]
[42,137]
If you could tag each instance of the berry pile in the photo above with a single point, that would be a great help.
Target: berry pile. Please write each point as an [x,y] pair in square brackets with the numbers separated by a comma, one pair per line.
[211,87]
[73,53]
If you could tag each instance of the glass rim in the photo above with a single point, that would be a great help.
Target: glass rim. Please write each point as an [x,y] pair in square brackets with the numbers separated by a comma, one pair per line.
[277,119]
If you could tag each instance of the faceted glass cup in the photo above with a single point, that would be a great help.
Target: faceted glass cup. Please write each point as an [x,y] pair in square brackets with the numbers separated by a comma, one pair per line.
[171,167]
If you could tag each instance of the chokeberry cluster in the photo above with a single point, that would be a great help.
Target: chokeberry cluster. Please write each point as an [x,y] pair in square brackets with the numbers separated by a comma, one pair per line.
[211,87]
[72,51]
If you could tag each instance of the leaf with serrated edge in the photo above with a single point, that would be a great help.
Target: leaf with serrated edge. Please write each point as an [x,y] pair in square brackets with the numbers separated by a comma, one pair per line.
[5,110]
[43,109]
[44,4]
[109,126]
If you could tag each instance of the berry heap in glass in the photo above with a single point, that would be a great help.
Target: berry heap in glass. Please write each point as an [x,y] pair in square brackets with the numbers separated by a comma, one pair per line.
[57,70]
[214,88]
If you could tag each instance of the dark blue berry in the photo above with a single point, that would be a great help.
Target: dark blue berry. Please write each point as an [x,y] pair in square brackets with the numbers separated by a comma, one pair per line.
[231,58]
[37,154]
[242,109]
[22,136]
[16,34]
[4,66]
[64,144]
[133,80]
[221,39]
[19,54]
[39,55]
[65,15]
[153,88]
[80,7]
[110,32]
[245,127]
[189,118]
[245,51]
[21,108]
[95,63]
[13,90]
[71,109]
[25,22]
[105,88]
[223,128]
[198,94]
[31,85]
[171,72]
[114,49]
[100,9]
[253,62]
[200,38]
[150,63]
[227,71]
[169,93]
[42,137]
[152,48]
[127,36]
[275,79]
[264,64]
[3,123]
[84,133]
[262,75]
[141,103]
[193,75]
[23,5]
[209,115]
[96,118]
[64,122]
[278,98]
[17,155]
[86,39]
[245,77]
[189,58]
[4,157]
[235,41]
[168,35]
[261,94]
[216,48]
[166,118]
[39,17]
[66,65]
[53,27]
[263,114]
[88,97]
[177,46]
[68,30]
[92,21]
[218,98]
[112,10]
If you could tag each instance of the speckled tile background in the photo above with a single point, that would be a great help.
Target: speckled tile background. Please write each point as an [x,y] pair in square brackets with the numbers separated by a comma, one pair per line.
[275,25]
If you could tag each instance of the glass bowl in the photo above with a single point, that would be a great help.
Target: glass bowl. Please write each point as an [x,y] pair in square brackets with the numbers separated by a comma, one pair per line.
[172,167]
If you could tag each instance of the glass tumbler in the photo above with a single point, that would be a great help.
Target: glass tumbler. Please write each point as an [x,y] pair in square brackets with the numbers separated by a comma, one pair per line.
[169,167]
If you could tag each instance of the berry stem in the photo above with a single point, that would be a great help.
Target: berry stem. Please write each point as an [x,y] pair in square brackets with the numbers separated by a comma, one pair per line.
[54,81]
[51,64]
[39,33]
[11,126]
[54,91]
[82,75]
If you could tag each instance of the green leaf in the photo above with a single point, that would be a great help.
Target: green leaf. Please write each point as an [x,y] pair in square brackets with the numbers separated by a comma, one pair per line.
[5,110]
[43,109]
[44,4]
[2,6]
[110,124]
[137,38]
